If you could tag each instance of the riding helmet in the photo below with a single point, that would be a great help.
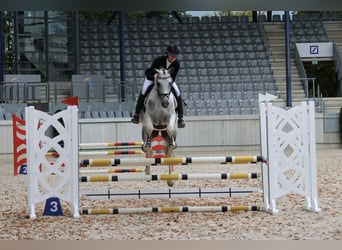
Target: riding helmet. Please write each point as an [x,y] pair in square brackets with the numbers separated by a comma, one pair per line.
[172,50]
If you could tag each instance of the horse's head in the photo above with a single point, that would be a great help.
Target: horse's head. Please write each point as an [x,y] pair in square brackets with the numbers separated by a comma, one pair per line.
[163,84]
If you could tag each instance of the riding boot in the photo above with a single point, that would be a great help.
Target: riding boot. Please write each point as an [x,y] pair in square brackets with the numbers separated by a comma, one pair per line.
[139,106]
[180,110]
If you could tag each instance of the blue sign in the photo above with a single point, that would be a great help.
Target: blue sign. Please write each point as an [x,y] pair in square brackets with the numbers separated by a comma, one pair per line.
[23,169]
[53,207]
[314,49]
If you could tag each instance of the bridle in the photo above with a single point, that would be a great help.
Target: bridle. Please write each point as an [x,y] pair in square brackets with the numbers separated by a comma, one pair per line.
[163,95]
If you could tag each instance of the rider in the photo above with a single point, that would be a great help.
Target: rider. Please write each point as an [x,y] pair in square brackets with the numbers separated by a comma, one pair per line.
[168,61]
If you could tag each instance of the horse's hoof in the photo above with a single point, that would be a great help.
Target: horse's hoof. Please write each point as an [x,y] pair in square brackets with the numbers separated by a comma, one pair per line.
[170,183]
[172,142]
[147,170]
[146,148]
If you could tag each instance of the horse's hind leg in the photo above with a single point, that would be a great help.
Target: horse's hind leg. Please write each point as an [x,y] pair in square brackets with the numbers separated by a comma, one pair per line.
[169,153]
[146,147]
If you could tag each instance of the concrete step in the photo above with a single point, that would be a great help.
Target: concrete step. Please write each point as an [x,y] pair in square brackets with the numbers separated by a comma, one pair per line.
[280,69]
[280,63]
[294,87]
[282,75]
[332,104]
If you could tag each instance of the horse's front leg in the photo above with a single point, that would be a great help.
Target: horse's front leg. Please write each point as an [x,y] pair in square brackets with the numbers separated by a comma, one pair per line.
[148,126]
[171,131]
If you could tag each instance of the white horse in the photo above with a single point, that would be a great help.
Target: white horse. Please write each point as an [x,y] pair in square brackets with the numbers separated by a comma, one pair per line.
[160,116]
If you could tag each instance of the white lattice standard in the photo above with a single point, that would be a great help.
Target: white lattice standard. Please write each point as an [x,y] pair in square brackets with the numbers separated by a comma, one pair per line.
[52,178]
[288,140]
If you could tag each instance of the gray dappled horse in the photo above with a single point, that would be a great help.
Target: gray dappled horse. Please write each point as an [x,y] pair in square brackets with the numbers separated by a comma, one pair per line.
[160,115]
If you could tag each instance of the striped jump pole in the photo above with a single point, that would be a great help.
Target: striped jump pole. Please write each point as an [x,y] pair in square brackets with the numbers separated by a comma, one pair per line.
[168,209]
[101,152]
[173,161]
[112,152]
[111,171]
[52,154]
[110,144]
[225,192]
[167,177]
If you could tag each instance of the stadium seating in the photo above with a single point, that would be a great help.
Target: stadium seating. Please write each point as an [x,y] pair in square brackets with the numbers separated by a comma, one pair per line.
[224,60]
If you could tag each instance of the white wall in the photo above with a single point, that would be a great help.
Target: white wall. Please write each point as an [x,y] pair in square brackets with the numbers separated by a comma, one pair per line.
[199,131]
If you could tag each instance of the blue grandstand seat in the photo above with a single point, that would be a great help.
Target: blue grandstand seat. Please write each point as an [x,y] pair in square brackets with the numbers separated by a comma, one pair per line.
[244,19]
[247,110]
[216,95]
[245,71]
[262,18]
[86,114]
[195,20]
[212,104]
[191,112]
[203,111]
[224,103]
[238,94]
[95,114]
[118,114]
[110,114]
[214,112]
[226,111]
[225,19]
[208,41]
[250,94]
[126,113]
[276,18]
[227,90]
[224,71]
[234,19]
[236,111]
[185,94]
[245,103]
[195,95]
[234,71]
[201,104]
[249,86]
[205,19]
[234,103]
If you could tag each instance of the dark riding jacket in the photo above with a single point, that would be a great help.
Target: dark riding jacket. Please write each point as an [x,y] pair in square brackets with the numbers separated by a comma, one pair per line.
[158,62]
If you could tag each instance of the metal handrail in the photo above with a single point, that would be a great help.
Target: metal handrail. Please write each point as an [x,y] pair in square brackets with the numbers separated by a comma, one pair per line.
[302,72]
